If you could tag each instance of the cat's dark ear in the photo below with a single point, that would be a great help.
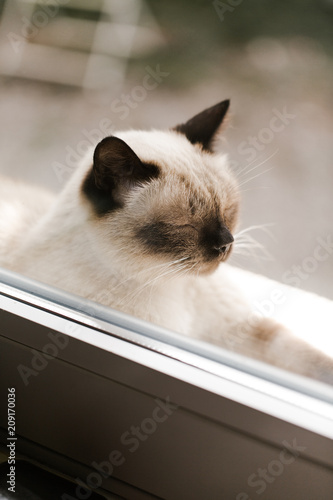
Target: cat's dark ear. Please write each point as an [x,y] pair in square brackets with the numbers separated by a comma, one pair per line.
[202,128]
[116,169]
[115,163]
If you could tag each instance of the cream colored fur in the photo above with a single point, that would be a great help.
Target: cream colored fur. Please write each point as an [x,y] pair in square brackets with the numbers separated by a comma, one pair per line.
[58,240]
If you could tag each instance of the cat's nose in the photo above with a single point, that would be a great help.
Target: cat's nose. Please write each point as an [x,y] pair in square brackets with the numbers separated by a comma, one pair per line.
[223,248]
[223,240]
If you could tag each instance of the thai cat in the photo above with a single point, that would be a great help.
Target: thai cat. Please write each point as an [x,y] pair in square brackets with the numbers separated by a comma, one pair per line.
[145,226]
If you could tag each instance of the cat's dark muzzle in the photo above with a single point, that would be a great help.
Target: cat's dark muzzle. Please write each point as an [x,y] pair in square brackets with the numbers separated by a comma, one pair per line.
[226,251]
[212,260]
[218,243]
[215,257]
[223,252]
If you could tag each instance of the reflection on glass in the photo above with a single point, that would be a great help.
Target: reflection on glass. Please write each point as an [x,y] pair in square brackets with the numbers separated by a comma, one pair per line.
[143,222]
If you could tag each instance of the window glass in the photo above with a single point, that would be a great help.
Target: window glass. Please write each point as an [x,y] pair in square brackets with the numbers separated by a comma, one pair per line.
[74,72]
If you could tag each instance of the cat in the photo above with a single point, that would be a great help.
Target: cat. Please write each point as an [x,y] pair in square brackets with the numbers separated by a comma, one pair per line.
[145,226]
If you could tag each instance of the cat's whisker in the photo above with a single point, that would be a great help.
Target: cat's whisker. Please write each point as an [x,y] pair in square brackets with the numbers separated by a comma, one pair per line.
[262,227]
[244,174]
[180,273]
[254,187]
[245,237]
[238,173]
[173,273]
[149,269]
[170,271]
[249,249]
[257,166]
[255,176]
[137,291]
[250,252]
[153,281]
[185,271]
[163,265]
[253,255]
[245,244]
[242,180]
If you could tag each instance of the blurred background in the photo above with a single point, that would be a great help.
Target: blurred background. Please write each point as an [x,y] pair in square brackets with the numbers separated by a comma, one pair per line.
[72,71]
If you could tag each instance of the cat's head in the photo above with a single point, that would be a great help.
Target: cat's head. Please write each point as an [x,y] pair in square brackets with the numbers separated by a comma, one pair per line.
[162,197]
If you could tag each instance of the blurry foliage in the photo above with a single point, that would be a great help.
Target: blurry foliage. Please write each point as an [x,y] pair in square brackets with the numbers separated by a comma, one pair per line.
[200,35]
[196,33]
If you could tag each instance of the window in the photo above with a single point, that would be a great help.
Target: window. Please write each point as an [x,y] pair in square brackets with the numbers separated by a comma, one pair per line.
[100,397]
[119,406]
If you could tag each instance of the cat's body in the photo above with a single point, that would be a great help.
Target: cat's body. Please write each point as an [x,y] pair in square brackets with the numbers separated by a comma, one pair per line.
[144,226]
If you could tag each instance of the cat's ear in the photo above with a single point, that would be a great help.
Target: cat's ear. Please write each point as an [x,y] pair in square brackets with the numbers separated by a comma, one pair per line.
[116,170]
[202,128]
[116,164]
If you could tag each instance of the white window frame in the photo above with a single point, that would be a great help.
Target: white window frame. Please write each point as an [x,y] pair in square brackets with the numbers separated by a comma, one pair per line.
[221,398]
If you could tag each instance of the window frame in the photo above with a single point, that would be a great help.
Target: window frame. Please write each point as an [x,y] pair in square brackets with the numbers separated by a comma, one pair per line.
[217,387]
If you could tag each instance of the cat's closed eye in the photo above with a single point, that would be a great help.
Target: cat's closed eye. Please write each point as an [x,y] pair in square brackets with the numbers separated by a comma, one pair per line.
[186,226]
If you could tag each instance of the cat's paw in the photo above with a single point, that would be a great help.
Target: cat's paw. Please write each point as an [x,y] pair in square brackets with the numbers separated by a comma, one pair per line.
[278,346]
